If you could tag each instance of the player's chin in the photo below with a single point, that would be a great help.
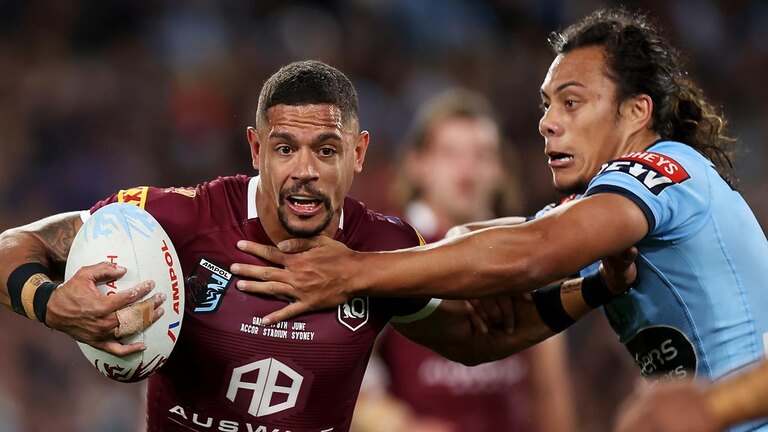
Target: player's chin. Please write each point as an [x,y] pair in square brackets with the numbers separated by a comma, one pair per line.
[306,227]
[566,183]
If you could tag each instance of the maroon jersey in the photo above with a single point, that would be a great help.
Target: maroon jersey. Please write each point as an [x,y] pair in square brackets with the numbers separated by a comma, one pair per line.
[228,372]
[492,397]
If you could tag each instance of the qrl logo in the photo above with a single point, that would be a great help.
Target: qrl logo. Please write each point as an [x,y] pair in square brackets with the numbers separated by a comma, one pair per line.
[266,391]
[354,313]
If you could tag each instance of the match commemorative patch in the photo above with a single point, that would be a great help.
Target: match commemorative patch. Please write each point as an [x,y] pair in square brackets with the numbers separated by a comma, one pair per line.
[654,170]
[208,285]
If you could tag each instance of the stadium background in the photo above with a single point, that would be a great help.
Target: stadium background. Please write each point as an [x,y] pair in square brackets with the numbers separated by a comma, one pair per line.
[96,96]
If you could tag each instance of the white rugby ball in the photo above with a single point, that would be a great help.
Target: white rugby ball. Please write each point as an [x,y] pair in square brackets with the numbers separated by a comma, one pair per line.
[131,237]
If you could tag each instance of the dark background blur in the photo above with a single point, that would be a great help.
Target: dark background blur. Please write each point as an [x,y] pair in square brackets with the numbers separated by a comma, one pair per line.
[96,96]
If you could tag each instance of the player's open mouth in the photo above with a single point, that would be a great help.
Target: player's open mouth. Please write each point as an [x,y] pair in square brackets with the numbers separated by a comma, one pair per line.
[304,205]
[559,160]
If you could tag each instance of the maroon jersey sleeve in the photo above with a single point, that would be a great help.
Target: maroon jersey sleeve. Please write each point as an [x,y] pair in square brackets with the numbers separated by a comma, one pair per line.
[184,212]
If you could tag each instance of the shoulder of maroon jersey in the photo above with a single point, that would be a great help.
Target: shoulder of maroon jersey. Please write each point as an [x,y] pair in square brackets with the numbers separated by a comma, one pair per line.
[364,229]
[183,211]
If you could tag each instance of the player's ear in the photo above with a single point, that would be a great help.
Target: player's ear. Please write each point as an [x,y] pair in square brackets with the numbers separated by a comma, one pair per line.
[638,110]
[361,147]
[253,141]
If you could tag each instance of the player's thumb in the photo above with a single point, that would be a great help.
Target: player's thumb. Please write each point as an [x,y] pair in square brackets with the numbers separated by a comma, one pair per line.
[629,255]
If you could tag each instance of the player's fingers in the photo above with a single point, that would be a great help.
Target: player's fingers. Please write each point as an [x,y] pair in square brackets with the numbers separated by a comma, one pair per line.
[263,273]
[275,289]
[629,255]
[475,319]
[297,245]
[285,313]
[120,350]
[135,318]
[493,310]
[269,253]
[479,308]
[122,299]
[507,313]
[102,272]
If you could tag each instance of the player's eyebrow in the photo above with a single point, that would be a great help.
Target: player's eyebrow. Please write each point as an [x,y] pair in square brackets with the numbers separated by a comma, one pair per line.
[327,136]
[562,87]
[316,140]
[284,135]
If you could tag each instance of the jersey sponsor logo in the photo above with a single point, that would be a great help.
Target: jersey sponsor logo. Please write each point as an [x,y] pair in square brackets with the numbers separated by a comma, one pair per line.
[208,285]
[354,313]
[663,353]
[655,171]
[195,421]
[135,196]
[188,192]
[173,327]
[484,379]
[274,387]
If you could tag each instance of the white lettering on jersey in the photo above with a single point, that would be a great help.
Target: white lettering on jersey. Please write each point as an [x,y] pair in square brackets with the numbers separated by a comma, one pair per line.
[652,180]
[265,387]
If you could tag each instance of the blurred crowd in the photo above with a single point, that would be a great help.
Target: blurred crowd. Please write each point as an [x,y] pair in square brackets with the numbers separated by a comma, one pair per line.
[96,96]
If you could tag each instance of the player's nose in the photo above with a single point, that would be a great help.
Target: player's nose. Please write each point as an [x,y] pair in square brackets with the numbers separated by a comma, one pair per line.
[305,166]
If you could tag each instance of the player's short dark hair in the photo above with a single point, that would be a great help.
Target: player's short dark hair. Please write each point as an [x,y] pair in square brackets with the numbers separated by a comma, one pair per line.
[640,60]
[309,82]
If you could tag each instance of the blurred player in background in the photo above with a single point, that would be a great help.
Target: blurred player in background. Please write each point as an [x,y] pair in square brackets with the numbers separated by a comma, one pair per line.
[456,169]
[229,371]
[626,128]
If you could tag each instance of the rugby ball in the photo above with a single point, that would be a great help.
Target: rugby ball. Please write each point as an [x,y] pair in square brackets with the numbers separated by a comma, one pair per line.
[131,237]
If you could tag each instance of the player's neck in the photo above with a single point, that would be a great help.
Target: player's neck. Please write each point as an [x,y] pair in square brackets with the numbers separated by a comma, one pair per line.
[638,142]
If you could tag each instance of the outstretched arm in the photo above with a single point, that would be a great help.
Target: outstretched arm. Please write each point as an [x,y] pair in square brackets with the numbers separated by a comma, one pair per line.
[34,255]
[511,324]
[321,273]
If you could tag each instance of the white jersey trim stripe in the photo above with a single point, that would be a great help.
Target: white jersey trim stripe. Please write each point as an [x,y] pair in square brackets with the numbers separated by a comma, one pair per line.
[253,184]
[419,315]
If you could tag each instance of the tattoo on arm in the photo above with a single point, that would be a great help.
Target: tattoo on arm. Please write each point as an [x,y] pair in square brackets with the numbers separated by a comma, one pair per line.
[57,238]
[55,234]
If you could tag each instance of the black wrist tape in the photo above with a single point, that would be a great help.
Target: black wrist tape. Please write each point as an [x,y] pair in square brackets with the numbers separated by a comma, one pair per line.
[550,308]
[595,291]
[16,282]
[42,295]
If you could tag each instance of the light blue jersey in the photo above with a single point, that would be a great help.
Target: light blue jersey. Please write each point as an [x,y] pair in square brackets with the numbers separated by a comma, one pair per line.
[701,305]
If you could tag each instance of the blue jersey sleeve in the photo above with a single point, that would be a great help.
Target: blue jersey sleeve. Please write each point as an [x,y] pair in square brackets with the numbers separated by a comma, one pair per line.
[671,191]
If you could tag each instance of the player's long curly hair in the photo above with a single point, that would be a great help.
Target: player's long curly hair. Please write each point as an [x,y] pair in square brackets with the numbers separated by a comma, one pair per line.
[641,61]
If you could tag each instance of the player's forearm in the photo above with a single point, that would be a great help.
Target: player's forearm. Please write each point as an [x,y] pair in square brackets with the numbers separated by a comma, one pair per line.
[45,242]
[502,260]
[16,248]
[451,333]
